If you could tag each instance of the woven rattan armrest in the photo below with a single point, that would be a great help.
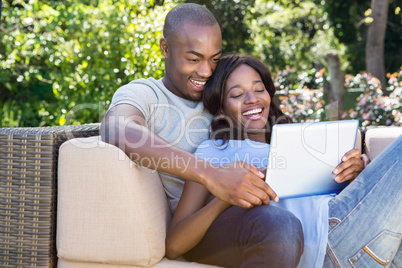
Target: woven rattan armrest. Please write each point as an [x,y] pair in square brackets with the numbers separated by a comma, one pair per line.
[28,192]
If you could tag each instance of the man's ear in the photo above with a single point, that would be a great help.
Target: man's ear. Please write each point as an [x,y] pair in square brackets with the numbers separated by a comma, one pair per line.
[163,44]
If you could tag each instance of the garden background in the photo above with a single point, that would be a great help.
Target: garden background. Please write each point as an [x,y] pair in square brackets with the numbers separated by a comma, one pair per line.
[61,61]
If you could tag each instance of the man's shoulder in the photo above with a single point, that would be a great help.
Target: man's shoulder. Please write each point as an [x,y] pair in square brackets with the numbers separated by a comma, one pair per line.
[140,93]
[143,89]
[150,81]
[147,84]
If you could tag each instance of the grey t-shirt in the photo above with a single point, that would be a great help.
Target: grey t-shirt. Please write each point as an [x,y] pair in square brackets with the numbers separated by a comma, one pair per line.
[182,123]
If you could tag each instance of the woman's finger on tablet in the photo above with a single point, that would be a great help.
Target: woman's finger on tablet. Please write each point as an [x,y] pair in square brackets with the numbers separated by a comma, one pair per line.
[354,153]
[349,170]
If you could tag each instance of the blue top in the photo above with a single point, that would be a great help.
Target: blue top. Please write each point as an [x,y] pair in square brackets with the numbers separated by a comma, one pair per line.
[312,211]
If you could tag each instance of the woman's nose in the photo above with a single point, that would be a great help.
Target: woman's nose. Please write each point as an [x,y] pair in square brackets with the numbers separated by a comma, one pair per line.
[250,97]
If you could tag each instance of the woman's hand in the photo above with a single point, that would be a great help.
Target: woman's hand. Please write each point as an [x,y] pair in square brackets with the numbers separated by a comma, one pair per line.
[350,168]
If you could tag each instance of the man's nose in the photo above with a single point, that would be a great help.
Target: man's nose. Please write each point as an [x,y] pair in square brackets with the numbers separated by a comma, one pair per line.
[205,69]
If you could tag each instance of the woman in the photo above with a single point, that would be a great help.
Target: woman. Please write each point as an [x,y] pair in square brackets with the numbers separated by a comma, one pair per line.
[239,96]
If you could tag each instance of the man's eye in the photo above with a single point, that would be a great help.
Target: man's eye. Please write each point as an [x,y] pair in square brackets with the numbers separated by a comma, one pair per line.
[193,60]
[215,60]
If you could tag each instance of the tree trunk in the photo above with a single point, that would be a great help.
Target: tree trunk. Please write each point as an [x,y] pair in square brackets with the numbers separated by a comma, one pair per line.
[375,41]
[336,91]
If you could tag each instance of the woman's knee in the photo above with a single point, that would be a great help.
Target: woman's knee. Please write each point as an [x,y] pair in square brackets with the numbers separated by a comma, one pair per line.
[273,233]
[275,225]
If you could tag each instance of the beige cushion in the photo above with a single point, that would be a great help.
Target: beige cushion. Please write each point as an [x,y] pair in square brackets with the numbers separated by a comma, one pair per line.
[378,138]
[164,263]
[109,209]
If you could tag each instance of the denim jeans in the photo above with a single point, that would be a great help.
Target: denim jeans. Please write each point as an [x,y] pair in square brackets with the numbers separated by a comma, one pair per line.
[365,219]
[264,236]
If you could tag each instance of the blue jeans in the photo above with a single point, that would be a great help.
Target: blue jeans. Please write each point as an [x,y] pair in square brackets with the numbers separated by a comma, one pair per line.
[365,219]
[264,236]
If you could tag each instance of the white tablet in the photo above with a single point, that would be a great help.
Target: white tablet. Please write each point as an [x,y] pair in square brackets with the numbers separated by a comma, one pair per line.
[302,157]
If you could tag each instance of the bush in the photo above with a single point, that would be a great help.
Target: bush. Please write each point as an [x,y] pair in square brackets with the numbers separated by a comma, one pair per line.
[61,61]
[301,96]
[372,107]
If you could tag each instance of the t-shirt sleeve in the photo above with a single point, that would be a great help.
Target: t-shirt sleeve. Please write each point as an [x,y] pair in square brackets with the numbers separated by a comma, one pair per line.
[141,96]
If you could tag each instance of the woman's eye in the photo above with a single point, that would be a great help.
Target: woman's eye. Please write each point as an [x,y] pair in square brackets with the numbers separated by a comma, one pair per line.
[236,96]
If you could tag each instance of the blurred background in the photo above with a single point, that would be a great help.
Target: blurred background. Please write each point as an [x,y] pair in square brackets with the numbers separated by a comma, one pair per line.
[61,61]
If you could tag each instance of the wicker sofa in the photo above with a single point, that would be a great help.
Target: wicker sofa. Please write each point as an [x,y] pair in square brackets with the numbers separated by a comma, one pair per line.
[109,211]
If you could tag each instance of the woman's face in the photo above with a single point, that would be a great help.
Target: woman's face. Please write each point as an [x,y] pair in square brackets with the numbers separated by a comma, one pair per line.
[246,101]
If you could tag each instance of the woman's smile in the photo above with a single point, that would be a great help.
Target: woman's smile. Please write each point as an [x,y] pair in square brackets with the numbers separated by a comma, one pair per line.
[253,113]
[247,101]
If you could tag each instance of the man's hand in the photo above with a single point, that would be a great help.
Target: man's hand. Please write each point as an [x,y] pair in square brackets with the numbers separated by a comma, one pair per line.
[240,184]
[263,170]
[350,168]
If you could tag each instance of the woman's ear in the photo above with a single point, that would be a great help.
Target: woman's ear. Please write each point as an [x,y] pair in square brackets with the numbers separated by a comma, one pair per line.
[221,112]
[164,47]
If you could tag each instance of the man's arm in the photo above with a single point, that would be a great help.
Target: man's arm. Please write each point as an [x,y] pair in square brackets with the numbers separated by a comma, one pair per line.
[238,183]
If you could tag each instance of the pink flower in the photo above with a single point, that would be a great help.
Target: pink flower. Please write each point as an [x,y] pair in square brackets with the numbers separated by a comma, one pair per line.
[392,80]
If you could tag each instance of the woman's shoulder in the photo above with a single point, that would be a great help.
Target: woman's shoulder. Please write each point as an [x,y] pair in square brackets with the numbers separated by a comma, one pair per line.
[230,145]
[210,145]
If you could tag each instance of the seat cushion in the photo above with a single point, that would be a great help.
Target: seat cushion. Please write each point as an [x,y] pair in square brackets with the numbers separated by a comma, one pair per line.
[377,138]
[164,263]
[109,209]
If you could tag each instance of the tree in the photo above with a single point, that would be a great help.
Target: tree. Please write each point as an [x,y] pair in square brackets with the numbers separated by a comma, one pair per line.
[61,61]
[290,33]
[232,17]
[348,17]
[336,91]
[375,41]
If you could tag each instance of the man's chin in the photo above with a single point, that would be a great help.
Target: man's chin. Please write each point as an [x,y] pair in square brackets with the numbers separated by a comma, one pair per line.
[197,96]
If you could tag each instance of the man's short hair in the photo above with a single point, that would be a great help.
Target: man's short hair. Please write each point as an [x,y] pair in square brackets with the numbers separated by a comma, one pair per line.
[187,13]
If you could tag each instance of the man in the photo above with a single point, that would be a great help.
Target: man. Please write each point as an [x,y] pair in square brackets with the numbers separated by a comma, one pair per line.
[160,123]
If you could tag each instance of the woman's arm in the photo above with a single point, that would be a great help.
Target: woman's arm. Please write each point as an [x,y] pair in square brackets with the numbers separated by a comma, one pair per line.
[192,219]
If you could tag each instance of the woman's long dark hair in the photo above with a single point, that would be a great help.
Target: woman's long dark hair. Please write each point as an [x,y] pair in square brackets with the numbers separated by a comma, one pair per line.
[213,97]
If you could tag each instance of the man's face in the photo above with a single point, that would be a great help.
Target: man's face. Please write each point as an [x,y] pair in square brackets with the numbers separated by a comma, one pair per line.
[190,58]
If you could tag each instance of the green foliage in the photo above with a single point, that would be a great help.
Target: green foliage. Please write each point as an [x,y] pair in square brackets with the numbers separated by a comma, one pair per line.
[291,33]
[348,20]
[232,17]
[61,61]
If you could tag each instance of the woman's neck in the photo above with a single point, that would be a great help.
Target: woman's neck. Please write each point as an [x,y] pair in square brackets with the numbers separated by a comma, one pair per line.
[260,137]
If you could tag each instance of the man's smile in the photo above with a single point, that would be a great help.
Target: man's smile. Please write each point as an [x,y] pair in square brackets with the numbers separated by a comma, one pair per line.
[198,84]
